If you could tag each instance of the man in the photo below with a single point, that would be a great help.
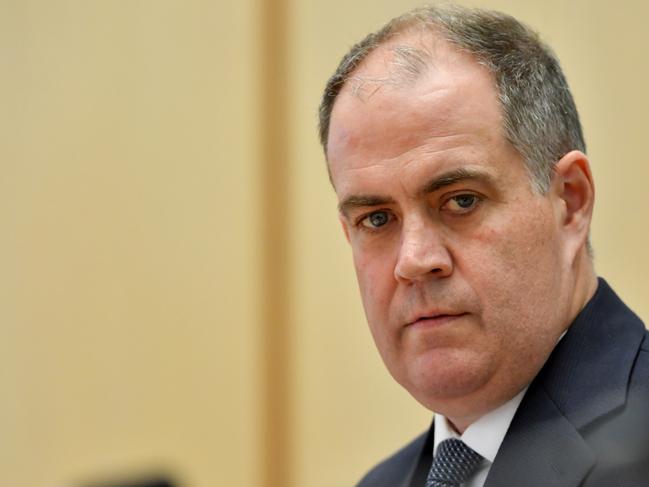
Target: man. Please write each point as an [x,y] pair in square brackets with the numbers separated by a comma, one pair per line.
[456,152]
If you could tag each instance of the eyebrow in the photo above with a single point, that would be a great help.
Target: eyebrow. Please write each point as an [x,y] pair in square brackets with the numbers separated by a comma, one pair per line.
[456,176]
[435,184]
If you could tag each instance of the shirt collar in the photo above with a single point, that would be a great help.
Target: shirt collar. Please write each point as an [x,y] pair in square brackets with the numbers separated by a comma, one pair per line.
[486,434]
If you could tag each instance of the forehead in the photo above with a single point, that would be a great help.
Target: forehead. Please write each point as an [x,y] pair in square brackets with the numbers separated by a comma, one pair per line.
[383,115]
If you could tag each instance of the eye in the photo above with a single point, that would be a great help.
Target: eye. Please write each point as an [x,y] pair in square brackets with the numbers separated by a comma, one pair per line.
[462,203]
[375,219]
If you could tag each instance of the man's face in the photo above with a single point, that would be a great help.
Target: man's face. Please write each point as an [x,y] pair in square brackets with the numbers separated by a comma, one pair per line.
[461,264]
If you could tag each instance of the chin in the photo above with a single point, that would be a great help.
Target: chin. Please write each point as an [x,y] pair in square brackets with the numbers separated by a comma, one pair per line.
[442,376]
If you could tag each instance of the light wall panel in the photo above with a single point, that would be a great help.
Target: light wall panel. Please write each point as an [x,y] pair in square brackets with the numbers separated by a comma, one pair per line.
[129,330]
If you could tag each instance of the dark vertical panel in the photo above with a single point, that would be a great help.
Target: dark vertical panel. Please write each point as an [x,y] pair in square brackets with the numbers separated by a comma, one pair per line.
[274,214]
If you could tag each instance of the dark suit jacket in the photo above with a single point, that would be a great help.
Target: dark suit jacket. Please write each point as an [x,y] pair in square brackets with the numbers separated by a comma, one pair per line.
[584,420]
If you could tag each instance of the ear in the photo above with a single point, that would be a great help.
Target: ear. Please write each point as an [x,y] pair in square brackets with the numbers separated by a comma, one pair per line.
[343,223]
[575,191]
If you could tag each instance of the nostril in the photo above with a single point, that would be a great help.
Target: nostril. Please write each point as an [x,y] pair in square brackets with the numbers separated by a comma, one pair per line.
[423,255]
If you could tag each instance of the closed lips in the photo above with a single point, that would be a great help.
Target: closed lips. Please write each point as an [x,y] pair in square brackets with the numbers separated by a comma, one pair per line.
[436,316]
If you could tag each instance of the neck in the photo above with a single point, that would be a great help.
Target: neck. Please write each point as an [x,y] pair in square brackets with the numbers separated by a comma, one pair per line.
[585,286]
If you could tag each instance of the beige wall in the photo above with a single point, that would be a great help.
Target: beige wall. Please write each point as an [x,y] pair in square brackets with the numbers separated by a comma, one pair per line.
[128,331]
[146,186]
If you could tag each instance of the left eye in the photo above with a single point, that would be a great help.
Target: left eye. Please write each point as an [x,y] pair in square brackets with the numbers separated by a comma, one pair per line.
[375,219]
[462,203]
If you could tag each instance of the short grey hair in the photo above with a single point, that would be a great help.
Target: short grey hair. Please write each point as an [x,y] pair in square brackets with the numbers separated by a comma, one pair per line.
[540,118]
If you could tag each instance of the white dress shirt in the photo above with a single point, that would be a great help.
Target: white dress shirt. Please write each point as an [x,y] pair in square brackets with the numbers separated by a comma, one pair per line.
[484,436]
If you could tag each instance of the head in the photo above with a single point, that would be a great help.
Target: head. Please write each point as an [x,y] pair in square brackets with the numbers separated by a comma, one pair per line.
[455,149]
[540,118]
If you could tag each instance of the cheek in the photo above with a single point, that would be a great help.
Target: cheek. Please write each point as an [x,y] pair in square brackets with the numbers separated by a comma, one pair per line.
[377,285]
[516,242]
[513,270]
[376,282]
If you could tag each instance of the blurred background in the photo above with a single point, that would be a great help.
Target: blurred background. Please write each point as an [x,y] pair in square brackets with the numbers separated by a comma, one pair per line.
[176,296]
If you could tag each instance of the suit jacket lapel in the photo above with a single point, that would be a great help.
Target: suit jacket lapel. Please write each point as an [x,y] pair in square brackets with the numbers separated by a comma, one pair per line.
[418,472]
[585,378]
[541,449]
[526,456]
[587,375]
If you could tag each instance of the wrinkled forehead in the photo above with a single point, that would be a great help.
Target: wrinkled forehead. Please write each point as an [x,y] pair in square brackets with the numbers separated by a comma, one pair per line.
[410,79]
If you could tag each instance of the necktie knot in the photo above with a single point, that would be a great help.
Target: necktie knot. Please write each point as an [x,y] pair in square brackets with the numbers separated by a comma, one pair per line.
[453,464]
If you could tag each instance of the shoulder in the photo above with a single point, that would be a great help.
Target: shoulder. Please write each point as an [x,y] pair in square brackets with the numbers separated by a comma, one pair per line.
[619,439]
[394,470]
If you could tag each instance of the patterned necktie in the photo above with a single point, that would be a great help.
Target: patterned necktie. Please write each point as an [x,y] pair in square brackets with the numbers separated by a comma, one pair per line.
[453,464]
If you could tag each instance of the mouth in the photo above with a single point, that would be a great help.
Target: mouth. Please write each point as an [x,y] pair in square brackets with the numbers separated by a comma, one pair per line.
[435,320]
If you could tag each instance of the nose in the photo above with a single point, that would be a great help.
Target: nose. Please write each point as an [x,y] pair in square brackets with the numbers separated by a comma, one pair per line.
[423,254]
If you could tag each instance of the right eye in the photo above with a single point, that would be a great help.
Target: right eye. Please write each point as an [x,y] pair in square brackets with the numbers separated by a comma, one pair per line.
[375,219]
